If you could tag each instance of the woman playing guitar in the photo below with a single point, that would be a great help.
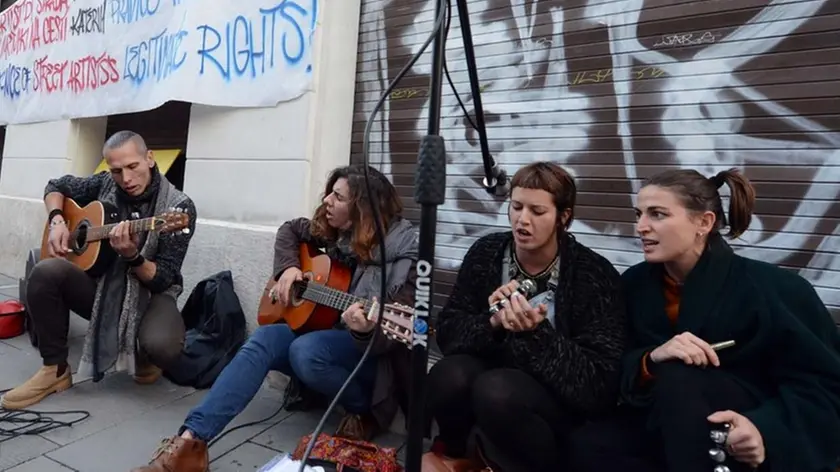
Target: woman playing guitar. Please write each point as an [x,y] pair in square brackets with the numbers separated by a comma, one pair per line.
[322,360]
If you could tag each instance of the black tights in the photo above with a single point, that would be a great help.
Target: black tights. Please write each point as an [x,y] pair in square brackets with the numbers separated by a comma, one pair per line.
[522,423]
[673,435]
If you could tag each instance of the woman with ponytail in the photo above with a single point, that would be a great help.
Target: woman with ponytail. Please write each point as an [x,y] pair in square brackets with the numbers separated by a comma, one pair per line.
[777,387]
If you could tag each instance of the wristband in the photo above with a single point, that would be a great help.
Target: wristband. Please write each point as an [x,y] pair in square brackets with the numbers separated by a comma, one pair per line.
[53,214]
[136,261]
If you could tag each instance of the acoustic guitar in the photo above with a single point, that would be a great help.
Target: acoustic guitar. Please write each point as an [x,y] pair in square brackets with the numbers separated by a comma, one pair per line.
[89,227]
[316,303]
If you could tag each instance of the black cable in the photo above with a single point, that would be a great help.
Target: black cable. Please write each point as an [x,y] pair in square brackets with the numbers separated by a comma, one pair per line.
[380,232]
[287,395]
[446,69]
[30,423]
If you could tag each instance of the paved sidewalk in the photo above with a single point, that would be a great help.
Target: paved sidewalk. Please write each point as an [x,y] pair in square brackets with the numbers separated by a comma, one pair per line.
[127,421]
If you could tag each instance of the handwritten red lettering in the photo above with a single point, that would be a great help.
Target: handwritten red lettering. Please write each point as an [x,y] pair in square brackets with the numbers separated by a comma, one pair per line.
[15,26]
[49,76]
[53,6]
[52,29]
[90,73]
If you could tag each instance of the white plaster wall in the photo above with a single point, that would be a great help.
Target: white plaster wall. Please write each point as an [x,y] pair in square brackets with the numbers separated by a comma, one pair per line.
[33,154]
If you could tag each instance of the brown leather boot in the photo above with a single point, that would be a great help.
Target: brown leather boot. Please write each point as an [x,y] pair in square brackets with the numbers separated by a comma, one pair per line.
[45,382]
[178,454]
[357,427]
[147,373]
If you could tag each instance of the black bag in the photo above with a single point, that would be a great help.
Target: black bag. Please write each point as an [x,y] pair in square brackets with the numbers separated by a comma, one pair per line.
[216,329]
[31,259]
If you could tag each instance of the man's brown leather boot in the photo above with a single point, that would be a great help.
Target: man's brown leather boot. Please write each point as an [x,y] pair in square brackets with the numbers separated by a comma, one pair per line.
[46,381]
[147,373]
[178,454]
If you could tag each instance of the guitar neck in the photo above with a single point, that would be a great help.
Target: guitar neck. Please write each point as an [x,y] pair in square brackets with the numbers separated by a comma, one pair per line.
[331,297]
[134,226]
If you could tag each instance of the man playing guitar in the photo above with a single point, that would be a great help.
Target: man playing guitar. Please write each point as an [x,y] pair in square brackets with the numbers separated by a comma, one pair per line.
[322,359]
[133,302]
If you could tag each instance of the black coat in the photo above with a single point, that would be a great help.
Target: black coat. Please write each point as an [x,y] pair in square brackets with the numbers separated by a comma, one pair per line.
[579,362]
[787,351]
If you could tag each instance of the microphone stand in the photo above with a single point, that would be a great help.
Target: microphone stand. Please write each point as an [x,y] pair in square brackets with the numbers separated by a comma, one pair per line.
[429,193]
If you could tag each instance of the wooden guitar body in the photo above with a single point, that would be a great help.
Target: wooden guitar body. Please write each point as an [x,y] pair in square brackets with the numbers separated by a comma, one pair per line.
[304,315]
[94,257]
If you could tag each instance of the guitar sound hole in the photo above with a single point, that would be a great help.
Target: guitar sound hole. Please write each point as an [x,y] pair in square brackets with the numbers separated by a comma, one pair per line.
[297,292]
[78,237]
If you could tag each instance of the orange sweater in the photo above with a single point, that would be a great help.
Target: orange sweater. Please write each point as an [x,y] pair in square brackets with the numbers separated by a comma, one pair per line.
[672,309]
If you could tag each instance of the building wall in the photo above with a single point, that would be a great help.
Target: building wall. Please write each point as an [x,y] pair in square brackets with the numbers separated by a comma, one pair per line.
[616,91]
[247,170]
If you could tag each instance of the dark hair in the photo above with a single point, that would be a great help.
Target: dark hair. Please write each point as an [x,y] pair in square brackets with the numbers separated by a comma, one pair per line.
[363,229]
[553,179]
[700,194]
[120,138]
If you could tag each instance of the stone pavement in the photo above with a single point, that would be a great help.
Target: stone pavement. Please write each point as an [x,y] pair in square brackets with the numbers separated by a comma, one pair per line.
[127,421]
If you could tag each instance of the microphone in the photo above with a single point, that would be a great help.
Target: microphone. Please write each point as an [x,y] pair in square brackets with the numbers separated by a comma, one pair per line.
[496,181]
[527,287]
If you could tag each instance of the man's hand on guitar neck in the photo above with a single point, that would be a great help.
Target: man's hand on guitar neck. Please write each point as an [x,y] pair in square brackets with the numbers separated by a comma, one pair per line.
[122,240]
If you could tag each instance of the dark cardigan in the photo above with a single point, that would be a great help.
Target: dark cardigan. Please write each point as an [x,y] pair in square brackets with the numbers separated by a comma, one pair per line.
[579,361]
[786,351]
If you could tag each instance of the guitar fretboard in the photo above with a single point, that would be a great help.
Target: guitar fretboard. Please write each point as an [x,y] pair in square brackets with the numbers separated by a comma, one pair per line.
[331,297]
[135,226]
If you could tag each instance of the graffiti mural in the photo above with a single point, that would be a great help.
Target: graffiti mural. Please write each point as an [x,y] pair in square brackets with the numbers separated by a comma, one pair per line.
[616,91]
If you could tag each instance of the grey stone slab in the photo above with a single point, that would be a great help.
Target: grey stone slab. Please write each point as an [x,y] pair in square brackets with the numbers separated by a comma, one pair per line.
[33,360]
[6,280]
[22,449]
[115,399]
[247,457]
[284,436]
[40,464]
[10,292]
[16,365]
[132,442]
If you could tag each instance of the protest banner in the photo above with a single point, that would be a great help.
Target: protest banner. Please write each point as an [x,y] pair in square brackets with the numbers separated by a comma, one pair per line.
[62,59]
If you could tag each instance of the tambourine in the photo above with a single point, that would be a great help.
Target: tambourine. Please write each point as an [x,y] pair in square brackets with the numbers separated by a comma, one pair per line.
[717,453]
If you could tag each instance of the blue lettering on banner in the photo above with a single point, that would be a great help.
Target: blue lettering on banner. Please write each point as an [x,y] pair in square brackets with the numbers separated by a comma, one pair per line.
[157,58]
[130,11]
[14,81]
[245,47]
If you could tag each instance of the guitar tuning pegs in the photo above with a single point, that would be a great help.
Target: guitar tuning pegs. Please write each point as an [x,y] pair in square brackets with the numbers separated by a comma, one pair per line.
[186,231]
[721,468]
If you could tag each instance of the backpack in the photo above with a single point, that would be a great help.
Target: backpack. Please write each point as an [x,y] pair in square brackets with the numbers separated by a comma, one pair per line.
[216,329]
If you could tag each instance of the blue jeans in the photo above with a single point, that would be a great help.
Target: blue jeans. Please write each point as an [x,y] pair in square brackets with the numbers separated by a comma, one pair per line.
[322,360]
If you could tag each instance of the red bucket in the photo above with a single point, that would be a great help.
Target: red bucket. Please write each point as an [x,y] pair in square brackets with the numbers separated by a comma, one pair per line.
[12,319]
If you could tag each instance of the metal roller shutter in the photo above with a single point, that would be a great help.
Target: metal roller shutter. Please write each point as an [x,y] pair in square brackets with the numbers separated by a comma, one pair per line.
[616,91]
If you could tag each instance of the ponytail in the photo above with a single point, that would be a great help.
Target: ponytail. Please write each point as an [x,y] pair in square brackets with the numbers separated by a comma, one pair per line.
[741,200]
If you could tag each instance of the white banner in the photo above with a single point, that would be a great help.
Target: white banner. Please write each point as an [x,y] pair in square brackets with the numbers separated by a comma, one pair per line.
[63,59]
